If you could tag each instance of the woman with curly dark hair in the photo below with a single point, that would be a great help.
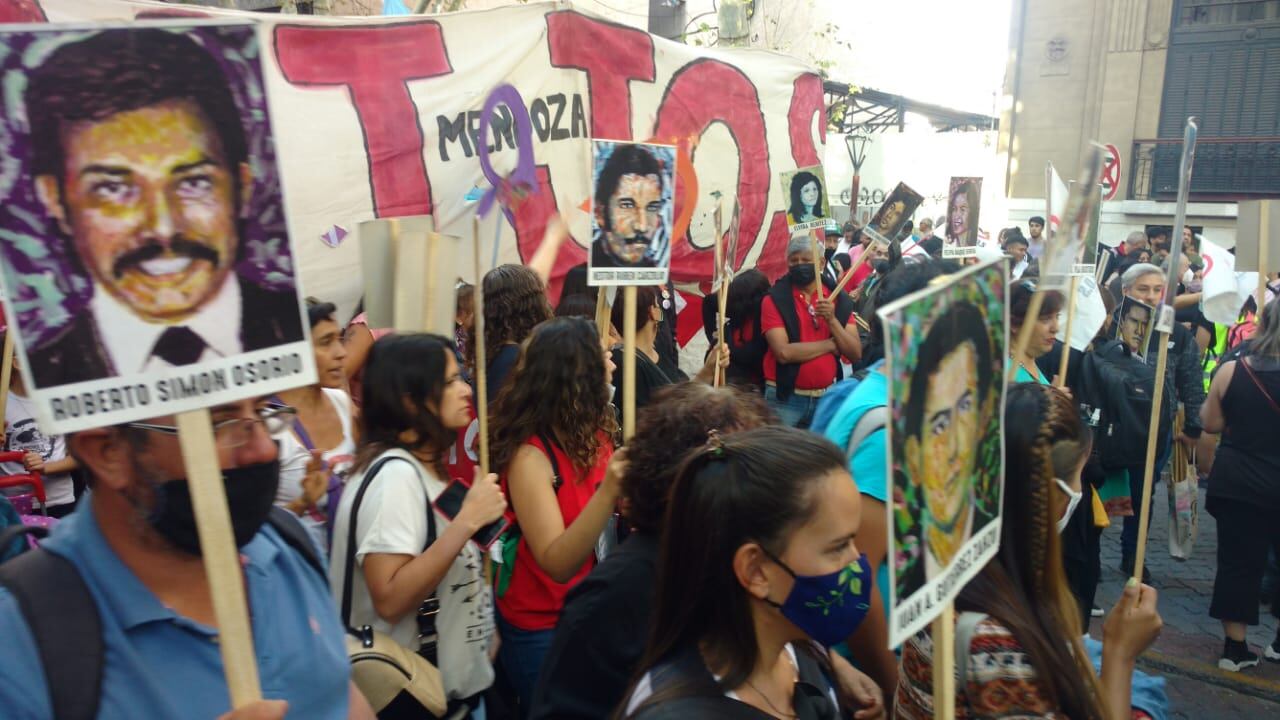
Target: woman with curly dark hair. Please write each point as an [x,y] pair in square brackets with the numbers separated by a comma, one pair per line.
[515,300]
[552,441]
[602,630]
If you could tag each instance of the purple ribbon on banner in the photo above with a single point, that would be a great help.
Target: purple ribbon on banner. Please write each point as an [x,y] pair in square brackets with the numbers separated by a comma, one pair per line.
[524,178]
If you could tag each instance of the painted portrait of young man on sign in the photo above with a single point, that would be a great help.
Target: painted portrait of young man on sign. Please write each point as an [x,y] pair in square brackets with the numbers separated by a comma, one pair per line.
[945,359]
[631,212]
[148,186]
[890,220]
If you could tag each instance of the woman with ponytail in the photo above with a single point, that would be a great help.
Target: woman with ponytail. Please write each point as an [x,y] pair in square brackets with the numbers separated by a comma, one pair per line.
[1026,658]
[758,574]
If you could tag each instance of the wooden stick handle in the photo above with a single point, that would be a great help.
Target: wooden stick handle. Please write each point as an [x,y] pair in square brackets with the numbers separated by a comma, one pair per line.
[944,664]
[721,318]
[603,321]
[1064,363]
[817,267]
[6,369]
[628,362]
[481,355]
[862,260]
[221,556]
[1264,262]
[1153,430]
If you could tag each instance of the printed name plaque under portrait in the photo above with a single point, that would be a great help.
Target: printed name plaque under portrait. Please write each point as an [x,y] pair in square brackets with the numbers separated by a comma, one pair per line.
[146,256]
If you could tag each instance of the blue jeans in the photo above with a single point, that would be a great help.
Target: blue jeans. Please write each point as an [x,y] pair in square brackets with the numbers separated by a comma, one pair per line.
[796,411]
[1129,531]
[521,656]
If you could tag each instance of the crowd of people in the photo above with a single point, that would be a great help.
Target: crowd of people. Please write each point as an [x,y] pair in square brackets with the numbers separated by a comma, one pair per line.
[670,576]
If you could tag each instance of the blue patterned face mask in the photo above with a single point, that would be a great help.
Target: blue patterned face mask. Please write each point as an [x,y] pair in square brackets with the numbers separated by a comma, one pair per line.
[828,608]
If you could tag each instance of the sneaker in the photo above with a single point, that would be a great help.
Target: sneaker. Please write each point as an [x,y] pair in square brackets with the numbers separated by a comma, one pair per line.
[1272,651]
[1096,611]
[1236,656]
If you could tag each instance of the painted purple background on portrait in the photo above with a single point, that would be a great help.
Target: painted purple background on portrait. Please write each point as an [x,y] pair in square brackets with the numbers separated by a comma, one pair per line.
[47,286]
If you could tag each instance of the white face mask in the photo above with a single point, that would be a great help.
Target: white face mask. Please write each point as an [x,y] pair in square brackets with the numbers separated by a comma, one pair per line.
[1187,277]
[1073,501]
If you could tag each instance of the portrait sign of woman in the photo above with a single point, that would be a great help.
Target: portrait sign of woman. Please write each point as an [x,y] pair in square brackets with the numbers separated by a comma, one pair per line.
[962,211]
[807,202]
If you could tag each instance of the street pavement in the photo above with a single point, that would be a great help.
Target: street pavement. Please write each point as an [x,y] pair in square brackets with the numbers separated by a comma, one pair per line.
[1187,652]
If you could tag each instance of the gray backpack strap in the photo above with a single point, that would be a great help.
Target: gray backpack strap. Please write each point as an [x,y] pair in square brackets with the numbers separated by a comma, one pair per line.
[64,622]
[966,626]
[872,420]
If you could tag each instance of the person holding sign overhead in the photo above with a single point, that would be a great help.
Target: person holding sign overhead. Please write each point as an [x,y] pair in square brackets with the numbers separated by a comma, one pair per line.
[1019,631]
[135,547]
[155,225]
[807,333]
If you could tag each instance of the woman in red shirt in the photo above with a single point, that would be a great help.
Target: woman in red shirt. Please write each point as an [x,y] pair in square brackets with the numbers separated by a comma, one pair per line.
[552,437]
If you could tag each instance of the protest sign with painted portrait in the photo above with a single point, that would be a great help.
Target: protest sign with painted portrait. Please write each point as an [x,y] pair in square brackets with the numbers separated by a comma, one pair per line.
[631,209]
[807,204]
[963,203]
[144,243]
[889,222]
[945,358]
[1134,325]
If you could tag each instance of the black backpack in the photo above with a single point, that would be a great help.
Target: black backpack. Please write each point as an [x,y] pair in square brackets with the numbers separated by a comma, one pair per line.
[1115,395]
[64,622]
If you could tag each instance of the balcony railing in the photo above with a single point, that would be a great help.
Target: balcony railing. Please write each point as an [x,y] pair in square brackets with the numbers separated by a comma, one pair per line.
[1226,169]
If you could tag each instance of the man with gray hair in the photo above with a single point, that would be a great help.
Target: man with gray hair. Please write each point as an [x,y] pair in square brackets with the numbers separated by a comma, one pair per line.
[807,336]
[1184,383]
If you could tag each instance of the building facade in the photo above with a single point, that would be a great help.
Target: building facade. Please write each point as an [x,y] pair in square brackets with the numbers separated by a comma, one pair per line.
[1128,73]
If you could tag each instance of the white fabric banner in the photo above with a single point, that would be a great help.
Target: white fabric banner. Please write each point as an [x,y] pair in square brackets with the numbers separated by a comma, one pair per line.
[1225,290]
[380,117]
[1091,313]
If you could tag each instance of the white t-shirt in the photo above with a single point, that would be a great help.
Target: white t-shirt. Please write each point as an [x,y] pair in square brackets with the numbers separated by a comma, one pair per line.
[294,458]
[393,519]
[22,434]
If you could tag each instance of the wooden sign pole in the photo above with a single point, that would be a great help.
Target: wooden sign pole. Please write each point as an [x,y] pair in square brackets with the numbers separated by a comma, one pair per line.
[628,362]
[1164,326]
[722,300]
[221,557]
[862,260]
[944,663]
[1063,364]
[6,371]
[1153,432]
[603,320]
[817,268]
[481,373]
[1264,235]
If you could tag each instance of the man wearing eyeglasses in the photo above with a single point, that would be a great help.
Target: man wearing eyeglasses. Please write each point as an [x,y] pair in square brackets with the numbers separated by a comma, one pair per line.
[135,548]
[807,335]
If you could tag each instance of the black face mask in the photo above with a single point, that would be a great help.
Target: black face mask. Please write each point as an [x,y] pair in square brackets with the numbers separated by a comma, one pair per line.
[829,253]
[802,275]
[251,491]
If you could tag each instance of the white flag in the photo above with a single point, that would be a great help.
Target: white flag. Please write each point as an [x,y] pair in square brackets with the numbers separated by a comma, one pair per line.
[1225,290]
[1091,313]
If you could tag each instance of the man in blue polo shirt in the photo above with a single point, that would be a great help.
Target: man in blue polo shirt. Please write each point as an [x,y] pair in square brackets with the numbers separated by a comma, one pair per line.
[134,544]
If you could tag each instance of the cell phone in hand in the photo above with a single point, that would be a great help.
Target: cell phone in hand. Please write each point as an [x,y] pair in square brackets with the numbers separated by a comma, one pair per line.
[449,504]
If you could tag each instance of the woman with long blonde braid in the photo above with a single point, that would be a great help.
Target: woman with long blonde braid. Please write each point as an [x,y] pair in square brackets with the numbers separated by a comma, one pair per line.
[1018,618]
